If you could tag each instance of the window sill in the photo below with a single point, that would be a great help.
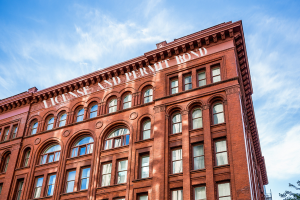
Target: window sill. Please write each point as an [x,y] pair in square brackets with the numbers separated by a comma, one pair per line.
[198,170]
[108,150]
[46,164]
[221,166]
[75,192]
[115,185]
[177,174]
[23,168]
[196,130]
[82,156]
[175,134]
[217,125]
[142,141]
[142,179]
[47,197]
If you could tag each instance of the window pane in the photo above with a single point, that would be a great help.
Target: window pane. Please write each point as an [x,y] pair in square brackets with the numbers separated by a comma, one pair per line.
[177,195]
[50,190]
[51,158]
[82,150]
[202,82]
[117,142]
[177,166]
[127,140]
[43,160]
[106,168]
[177,128]
[218,108]
[176,118]
[145,172]
[57,155]
[224,189]
[222,159]
[74,152]
[199,163]
[218,118]
[122,165]
[216,79]
[146,134]
[197,113]
[39,182]
[187,79]
[225,198]
[177,154]
[71,175]
[216,71]
[198,150]
[147,125]
[106,180]
[51,185]
[144,197]
[70,186]
[174,83]
[197,123]
[37,192]
[188,87]
[174,90]
[84,184]
[122,176]
[145,161]
[221,146]
[201,76]
[84,140]
[52,148]
[200,193]
[52,179]
[108,144]
[79,118]
[85,173]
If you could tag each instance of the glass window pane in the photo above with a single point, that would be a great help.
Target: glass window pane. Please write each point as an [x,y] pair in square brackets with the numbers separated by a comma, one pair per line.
[85,173]
[93,114]
[201,75]
[188,87]
[218,118]
[144,197]
[216,71]
[221,146]
[198,150]
[174,83]
[51,158]
[108,144]
[176,118]
[197,123]
[117,142]
[37,192]
[177,128]
[145,172]
[122,177]
[52,179]
[188,79]
[177,154]
[106,168]
[82,150]
[146,134]
[44,158]
[106,180]
[122,165]
[145,161]
[225,198]
[127,140]
[202,82]
[177,195]
[199,163]
[52,148]
[79,118]
[200,193]
[84,140]
[218,108]
[84,184]
[74,152]
[224,189]
[177,166]
[147,125]
[216,79]
[39,182]
[222,158]
[70,186]
[50,190]
[71,175]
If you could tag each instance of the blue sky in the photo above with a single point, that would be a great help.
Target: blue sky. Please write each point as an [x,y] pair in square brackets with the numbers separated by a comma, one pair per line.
[43,43]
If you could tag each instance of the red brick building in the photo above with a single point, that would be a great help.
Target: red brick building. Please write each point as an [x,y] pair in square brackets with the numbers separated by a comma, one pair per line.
[175,123]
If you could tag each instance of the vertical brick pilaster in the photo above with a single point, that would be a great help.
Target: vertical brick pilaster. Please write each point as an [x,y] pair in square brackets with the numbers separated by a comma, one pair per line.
[186,156]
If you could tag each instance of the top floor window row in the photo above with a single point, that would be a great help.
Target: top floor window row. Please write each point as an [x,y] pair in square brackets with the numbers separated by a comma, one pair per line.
[201,80]
[8,132]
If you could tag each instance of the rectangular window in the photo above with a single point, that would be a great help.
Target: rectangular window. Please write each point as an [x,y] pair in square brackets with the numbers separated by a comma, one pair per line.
[143,197]
[174,86]
[224,191]
[19,189]
[198,154]
[51,184]
[188,82]
[106,174]
[177,195]
[85,177]
[177,161]
[145,166]
[200,193]
[216,76]
[38,187]
[71,181]
[221,153]
[14,131]
[6,133]
[201,79]
[1,185]
[122,171]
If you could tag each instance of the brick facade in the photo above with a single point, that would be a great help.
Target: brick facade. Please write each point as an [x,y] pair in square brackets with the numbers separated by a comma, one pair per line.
[148,81]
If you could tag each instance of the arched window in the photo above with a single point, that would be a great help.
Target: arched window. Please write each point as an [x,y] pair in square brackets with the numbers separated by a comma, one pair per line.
[197,118]
[146,130]
[50,123]
[218,113]
[112,106]
[5,162]
[51,154]
[148,95]
[117,138]
[80,114]
[26,158]
[62,119]
[176,123]
[93,111]
[82,146]
[127,101]
[34,126]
